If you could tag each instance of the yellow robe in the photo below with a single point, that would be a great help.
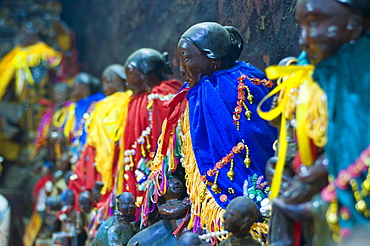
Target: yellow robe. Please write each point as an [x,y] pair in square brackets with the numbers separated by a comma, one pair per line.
[105,128]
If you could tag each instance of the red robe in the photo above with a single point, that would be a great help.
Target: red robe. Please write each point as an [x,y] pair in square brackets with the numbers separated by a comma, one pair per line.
[138,120]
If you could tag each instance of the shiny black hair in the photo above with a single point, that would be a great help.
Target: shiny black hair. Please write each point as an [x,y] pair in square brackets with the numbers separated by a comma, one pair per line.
[149,60]
[216,41]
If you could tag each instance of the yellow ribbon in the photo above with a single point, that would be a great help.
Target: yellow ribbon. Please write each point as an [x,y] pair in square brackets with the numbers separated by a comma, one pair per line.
[294,77]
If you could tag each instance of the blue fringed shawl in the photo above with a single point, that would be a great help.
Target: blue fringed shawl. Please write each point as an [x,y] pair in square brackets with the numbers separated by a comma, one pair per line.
[213,132]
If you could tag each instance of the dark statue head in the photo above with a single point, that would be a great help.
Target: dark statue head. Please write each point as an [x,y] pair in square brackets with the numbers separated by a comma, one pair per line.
[126,206]
[146,68]
[114,79]
[240,215]
[326,25]
[175,189]
[207,47]
[95,192]
[85,201]
[189,239]
[85,85]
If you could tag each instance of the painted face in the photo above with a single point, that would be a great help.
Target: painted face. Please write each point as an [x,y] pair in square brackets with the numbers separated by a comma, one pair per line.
[193,63]
[323,27]
[175,189]
[112,83]
[126,206]
[135,79]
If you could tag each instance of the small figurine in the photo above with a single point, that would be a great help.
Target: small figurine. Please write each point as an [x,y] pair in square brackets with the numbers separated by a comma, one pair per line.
[240,215]
[174,211]
[122,229]
[84,217]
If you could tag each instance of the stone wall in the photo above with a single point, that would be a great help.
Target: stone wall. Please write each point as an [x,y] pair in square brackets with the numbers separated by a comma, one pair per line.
[109,30]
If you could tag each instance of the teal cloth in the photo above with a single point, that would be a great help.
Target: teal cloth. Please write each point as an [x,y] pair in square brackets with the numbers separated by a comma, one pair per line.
[345,78]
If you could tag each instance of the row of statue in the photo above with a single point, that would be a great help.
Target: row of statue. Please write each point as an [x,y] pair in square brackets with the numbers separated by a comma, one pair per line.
[232,156]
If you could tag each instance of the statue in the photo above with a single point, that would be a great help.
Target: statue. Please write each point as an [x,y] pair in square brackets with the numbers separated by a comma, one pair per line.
[84,217]
[217,107]
[339,51]
[122,229]
[175,218]
[325,42]
[24,73]
[240,215]
[146,71]
[106,126]
[301,180]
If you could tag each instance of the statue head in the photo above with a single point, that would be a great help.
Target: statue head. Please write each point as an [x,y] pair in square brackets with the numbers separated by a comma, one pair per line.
[95,192]
[85,201]
[326,25]
[146,68]
[206,48]
[240,215]
[114,79]
[85,85]
[126,206]
[189,239]
[175,189]
[61,93]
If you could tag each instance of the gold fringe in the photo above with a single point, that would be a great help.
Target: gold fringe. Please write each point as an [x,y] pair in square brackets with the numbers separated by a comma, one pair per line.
[209,212]
[260,231]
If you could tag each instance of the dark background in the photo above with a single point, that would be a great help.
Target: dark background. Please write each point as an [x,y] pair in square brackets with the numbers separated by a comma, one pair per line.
[108,31]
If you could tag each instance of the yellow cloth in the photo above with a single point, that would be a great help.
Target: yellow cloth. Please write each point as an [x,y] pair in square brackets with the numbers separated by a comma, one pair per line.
[18,61]
[310,111]
[64,119]
[104,128]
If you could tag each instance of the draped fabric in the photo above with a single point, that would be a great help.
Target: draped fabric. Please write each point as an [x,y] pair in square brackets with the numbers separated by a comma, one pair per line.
[206,133]
[105,128]
[81,108]
[145,113]
[85,174]
[345,77]
[214,134]
[44,128]
[25,58]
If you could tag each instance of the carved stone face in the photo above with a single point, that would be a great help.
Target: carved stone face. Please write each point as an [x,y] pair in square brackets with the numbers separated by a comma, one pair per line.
[112,83]
[193,63]
[324,27]
[126,206]
[175,189]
